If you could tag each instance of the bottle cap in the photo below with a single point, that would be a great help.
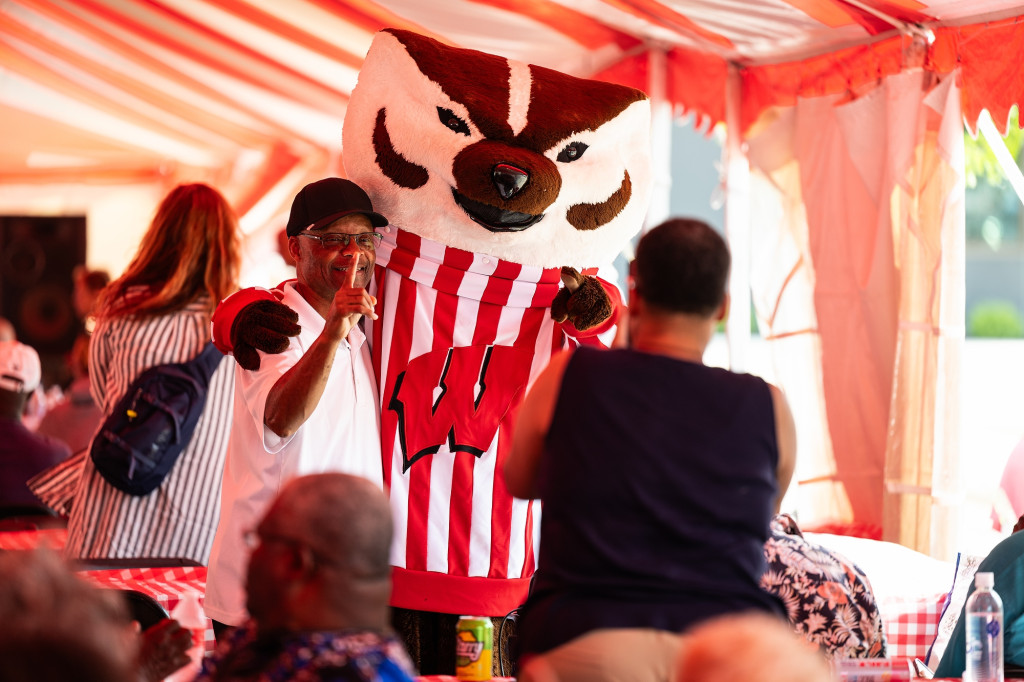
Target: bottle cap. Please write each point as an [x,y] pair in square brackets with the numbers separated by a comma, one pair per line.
[983,581]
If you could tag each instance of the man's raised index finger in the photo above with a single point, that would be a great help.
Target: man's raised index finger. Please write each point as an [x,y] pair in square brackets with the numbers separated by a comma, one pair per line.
[353,269]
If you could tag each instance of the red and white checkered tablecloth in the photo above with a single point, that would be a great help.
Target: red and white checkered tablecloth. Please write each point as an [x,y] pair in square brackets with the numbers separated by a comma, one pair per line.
[54,538]
[911,624]
[166,585]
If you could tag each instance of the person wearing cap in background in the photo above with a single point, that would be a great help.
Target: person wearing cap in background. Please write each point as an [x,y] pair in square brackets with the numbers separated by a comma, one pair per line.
[312,408]
[23,454]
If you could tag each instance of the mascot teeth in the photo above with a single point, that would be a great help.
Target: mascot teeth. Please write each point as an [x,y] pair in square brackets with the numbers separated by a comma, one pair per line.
[493,218]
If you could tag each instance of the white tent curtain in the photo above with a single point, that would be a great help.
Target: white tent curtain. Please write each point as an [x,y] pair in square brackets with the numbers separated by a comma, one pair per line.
[859,241]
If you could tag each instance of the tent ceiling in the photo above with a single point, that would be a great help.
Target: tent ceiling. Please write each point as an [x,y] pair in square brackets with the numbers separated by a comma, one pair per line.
[251,93]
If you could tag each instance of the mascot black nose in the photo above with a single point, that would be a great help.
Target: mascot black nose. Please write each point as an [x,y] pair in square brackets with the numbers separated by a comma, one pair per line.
[508,179]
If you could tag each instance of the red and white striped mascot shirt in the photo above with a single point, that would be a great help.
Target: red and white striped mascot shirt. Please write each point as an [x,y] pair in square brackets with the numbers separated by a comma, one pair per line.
[459,338]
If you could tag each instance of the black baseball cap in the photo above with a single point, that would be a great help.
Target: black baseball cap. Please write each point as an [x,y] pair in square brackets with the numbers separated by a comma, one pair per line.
[324,201]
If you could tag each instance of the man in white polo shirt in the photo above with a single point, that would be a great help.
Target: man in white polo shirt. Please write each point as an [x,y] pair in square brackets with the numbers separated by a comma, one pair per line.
[314,407]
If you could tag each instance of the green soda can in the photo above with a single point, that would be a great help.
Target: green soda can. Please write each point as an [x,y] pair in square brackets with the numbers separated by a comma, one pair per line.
[474,648]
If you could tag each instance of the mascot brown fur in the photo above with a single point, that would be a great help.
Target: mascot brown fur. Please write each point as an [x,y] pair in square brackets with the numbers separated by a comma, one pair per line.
[501,180]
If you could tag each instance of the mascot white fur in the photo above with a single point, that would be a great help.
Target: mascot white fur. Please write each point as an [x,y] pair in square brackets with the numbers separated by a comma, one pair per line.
[494,175]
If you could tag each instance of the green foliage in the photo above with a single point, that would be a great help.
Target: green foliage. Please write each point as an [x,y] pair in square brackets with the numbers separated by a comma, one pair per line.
[979,161]
[995,319]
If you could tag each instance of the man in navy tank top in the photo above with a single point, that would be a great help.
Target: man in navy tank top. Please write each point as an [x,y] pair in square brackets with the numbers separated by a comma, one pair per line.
[658,476]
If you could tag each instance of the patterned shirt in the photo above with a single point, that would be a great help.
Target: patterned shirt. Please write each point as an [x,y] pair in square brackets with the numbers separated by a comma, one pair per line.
[827,597]
[177,520]
[342,656]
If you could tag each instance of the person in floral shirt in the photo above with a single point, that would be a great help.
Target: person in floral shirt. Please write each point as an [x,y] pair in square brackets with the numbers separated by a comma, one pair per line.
[321,656]
[827,597]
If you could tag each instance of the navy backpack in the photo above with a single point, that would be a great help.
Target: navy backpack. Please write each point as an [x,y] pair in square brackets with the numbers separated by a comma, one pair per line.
[152,423]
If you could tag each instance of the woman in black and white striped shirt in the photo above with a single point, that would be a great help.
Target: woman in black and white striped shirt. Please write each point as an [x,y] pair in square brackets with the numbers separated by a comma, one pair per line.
[157,312]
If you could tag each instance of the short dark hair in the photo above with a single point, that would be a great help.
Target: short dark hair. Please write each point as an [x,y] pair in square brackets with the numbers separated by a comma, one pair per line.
[682,266]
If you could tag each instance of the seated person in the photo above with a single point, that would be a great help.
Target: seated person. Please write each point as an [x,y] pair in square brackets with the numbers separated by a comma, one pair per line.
[656,505]
[1006,563]
[23,454]
[749,646]
[317,590]
[56,627]
[828,599]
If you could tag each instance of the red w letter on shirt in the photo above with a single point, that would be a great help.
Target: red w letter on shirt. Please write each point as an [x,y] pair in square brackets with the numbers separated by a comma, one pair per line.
[457,396]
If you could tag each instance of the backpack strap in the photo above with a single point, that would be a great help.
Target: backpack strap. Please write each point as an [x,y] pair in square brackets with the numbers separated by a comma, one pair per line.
[208,360]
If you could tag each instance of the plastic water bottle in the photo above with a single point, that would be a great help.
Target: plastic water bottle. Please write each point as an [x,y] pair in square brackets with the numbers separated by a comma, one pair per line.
[984,632]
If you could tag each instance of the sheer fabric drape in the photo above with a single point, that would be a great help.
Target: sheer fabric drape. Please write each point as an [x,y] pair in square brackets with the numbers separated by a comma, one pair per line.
[858,285]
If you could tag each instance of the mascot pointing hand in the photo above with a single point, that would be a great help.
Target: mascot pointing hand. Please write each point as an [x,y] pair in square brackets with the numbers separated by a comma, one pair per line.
[500,180]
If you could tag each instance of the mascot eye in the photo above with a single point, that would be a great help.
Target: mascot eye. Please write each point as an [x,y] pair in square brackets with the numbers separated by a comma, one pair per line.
[450,120]
[571,152]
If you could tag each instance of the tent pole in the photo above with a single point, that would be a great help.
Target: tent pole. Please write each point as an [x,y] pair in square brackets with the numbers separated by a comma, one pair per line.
[661,136]
[737,225]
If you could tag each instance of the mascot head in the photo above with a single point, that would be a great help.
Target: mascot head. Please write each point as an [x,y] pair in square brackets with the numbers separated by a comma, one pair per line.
[498,157]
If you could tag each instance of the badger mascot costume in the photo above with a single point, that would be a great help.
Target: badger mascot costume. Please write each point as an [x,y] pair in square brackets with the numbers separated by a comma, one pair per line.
[501,180]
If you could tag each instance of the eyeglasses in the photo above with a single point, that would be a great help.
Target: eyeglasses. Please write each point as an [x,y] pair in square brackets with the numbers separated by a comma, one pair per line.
[339,240]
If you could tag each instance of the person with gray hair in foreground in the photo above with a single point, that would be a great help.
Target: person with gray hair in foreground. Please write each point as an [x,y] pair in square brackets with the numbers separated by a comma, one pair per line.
[317,590]
[749,646]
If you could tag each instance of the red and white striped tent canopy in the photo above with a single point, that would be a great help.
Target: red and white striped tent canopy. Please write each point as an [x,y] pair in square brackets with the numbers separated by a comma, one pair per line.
[250,94]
